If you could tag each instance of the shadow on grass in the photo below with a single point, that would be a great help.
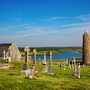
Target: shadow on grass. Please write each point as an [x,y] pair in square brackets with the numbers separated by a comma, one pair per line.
[11,74]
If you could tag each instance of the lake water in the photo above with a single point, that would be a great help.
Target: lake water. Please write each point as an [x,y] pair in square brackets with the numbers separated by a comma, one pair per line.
[62,55]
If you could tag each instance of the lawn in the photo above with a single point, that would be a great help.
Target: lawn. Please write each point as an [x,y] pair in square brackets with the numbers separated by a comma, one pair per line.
[61,80]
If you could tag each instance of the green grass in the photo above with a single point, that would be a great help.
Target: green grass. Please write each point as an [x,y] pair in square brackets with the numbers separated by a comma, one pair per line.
[61,80]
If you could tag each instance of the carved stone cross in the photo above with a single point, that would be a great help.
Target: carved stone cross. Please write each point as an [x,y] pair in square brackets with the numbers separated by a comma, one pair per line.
[34,56]
[26,53]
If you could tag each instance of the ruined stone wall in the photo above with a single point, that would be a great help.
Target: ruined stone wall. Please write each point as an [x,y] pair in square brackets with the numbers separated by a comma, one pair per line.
[14,52]
[86,48]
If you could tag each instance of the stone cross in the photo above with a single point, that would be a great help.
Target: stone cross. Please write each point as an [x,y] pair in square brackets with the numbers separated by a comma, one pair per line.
[26,65]
[26,53]
[51,58]
[34,56]
[4,54]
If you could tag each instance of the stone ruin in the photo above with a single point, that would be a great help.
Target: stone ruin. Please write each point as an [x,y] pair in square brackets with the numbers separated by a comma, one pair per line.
[9,50]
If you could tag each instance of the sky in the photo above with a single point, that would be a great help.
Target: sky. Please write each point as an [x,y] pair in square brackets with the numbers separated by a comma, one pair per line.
[44,23]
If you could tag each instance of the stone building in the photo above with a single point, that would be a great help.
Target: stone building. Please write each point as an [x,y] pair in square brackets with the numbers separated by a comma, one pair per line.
[11,51]
[86,48]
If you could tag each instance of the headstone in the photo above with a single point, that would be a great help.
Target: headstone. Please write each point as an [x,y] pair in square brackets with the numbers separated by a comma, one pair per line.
[72,65]
[64,67]
[32,73]
[4,55]
[77,72]
[26,66]
[44,63]
[39,60]
[69,64]
[34,62]
[50,69]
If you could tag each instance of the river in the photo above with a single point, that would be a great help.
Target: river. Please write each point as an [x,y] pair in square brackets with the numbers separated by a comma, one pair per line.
[61,55]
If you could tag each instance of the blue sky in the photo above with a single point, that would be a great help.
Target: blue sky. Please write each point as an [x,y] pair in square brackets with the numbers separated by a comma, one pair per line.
[44,23]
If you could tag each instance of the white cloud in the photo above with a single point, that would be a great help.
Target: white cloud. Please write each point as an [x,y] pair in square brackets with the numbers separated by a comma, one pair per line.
[25,24]
[87,23]
[11,26]
[83,17]
[59,17]
[2,28]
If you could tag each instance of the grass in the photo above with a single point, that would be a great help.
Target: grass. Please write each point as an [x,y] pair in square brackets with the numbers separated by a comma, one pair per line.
[61,80]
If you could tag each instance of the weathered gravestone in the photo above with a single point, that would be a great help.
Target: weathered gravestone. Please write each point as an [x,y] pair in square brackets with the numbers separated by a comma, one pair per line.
[69,64]
[77,72]
[44,63]
[39,60]
[4,55]
[34,62]
[26,66]
[32,73]
[50,69]
[72,65]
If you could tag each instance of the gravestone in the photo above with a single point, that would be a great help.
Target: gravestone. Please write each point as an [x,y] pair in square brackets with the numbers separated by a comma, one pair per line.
[26,66]
[72,65]
[69,64]
[32,73]
[4,55]
[77,72]
[50,69]
[44,63]
[34,62]
[39,60]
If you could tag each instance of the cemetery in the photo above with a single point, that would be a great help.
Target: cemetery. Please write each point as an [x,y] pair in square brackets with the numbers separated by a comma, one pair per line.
[43,74]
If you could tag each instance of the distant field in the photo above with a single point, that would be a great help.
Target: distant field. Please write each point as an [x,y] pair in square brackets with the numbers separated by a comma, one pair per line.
[40,51]
[61,80]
